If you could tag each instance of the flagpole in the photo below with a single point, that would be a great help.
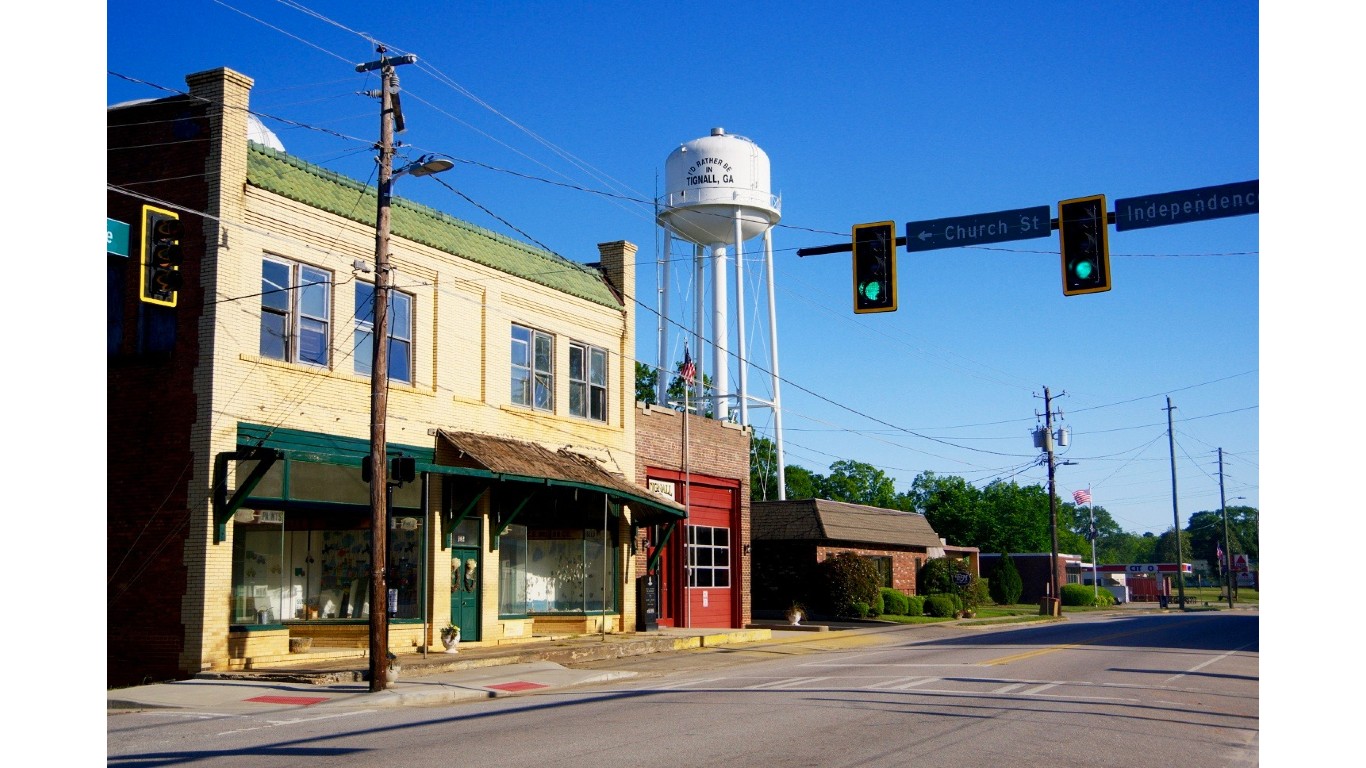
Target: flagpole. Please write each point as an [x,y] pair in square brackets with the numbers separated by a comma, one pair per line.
[1091,507]
[687,491]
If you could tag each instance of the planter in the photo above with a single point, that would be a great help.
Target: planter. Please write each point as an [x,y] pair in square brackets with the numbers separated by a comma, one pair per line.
[794,618]
[449,641]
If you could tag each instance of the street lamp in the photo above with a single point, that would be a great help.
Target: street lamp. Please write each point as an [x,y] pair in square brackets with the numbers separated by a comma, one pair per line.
[389,114]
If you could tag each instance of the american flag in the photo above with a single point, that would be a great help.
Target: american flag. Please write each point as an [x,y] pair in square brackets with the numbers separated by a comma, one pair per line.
[1219,555]
[1082,497]
[688,371]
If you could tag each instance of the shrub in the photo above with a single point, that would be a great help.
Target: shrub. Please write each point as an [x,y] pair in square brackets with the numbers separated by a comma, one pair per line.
[915,605]
[894,602]
[847,579]
[1078,595]
[860,610]
[878,606]
[940,605]
[1105,598]
[976,594]
[1006,584]
[936,576]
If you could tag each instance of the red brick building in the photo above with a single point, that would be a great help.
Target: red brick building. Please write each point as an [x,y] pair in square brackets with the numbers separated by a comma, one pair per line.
[702,565]
[792,537]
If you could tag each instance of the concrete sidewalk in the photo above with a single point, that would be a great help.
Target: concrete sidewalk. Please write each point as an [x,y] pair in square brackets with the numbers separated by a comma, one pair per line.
[474,672]
[325,678]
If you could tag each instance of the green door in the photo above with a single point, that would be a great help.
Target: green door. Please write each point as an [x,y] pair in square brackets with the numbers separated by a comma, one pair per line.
[465,591]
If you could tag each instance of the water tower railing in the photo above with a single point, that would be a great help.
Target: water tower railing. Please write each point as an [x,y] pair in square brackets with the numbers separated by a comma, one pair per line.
[721,196]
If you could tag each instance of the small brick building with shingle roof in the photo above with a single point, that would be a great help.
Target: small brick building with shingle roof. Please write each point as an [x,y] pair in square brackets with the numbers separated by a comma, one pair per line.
[792,537]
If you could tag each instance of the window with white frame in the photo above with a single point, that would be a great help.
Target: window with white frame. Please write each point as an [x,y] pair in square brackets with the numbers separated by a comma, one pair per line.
[400,324]
[533,368]
[587,381]
[708,556]
[296,307]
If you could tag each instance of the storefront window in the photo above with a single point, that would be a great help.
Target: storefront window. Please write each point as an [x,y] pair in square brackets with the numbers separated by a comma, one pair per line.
[512,571]
[316,566]
[556,570]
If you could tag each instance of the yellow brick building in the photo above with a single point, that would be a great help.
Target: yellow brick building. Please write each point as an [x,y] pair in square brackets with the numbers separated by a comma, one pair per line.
[238,517]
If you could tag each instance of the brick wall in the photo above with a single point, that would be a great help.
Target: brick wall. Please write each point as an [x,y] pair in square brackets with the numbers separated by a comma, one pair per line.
[716,449]
[170,413]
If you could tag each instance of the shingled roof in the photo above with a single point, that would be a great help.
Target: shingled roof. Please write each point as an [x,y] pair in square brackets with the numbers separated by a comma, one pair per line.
[824,520]
[292,178]
[519,460]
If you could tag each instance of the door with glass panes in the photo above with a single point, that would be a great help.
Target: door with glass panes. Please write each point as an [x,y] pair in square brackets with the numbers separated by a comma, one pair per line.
[465,591]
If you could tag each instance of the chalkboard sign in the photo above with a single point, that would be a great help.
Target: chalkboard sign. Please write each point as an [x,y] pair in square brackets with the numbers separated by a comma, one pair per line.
[647,603]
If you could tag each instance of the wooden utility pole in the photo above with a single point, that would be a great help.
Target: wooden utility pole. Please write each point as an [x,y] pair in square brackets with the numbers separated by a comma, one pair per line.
[1176,515]
[1055,596]
[389,114]
[1228,545]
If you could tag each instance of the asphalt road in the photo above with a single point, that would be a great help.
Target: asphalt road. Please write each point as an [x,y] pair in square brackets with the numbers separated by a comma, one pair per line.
[1153,689]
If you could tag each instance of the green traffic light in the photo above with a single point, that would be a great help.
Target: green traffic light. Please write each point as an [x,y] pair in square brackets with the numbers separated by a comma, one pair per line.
[871,291]
[1084,269]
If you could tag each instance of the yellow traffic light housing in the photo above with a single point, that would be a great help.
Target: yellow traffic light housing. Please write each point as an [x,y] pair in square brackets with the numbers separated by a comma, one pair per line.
[161,256]
[1084,239]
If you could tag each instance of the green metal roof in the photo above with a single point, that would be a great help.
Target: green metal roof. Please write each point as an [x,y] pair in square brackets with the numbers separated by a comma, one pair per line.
[290,177]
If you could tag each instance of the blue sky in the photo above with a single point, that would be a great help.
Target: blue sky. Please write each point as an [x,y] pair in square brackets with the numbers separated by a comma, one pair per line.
[566,112]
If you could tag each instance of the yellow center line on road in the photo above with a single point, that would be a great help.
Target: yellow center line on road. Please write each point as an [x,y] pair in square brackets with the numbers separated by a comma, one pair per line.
[1054,649]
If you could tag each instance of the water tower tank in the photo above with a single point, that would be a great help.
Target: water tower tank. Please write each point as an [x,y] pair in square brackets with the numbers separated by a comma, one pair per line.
[712,181]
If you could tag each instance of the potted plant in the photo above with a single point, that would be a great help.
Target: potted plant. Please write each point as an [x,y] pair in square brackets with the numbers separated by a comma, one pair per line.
[795,612]
[394,668]
[450,637]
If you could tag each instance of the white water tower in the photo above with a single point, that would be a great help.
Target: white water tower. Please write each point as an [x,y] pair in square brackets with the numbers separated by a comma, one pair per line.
[717,196]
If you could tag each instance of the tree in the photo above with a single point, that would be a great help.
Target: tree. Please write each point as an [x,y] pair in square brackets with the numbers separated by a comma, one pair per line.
[1206,530]
[1005,583]
[858,483]
[952,508]
[1018,518]
[1165,551]
[763,469]
[802,483]
[647,383]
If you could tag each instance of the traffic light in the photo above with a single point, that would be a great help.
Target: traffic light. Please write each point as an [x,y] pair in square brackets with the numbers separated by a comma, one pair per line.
[161,255]
[402,469]
[1083,234]
[875,267]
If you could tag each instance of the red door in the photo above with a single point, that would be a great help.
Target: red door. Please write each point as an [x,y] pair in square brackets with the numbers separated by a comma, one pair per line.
[711,557]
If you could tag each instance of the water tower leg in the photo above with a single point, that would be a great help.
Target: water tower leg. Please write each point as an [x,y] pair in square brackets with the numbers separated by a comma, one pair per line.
[662,273]
[773,352]
[741,358]
[720,329]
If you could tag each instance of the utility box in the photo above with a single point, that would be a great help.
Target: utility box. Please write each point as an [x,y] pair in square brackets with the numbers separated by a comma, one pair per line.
[647,603]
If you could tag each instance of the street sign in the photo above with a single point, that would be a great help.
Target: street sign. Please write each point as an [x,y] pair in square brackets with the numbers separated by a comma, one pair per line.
[116,237]
[978,229]
[1187,205]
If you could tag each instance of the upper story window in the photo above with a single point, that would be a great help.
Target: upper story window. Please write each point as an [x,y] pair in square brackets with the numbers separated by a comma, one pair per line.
[533,368]
[400,322]
[296,302]
[587,381]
